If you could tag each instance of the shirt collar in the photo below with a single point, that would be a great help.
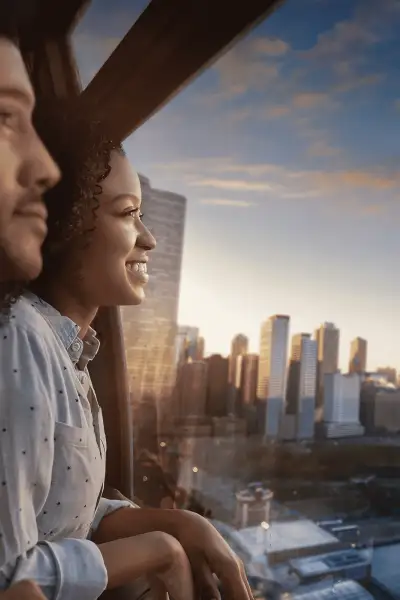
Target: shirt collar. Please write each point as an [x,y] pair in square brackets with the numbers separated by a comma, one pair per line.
[80,351]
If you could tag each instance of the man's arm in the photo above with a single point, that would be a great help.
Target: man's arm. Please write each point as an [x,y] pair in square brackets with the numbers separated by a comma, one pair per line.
[66,569]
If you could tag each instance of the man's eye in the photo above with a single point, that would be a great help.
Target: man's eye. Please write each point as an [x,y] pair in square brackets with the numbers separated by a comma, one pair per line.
[7,119]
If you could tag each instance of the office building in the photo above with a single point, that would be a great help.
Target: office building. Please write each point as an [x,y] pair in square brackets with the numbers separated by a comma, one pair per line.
[342,405]
[358,356]
[327,338]
[217,386]
[301,386]
[389,373]
[239,346]
[271,384]
[150,329]
[192,389]
[186,343]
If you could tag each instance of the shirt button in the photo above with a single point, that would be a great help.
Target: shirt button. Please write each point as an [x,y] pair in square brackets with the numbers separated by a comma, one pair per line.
[76,346]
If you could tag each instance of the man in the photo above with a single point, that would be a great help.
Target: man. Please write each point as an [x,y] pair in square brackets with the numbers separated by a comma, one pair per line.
[26,172]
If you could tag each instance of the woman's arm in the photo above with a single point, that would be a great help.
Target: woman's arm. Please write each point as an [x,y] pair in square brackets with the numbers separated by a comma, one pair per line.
[155,555]
[24,590]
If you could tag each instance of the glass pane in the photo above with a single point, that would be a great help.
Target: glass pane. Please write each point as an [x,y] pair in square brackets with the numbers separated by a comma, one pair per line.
[263,360]
[100,31]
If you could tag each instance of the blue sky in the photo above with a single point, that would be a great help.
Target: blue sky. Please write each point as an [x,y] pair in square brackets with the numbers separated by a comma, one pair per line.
[287,149]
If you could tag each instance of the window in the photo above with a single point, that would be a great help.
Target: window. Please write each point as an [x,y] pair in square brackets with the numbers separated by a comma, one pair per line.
[272,183]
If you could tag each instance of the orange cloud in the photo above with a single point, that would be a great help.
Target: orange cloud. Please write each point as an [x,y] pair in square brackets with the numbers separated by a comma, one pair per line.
[227,202]
[310,99]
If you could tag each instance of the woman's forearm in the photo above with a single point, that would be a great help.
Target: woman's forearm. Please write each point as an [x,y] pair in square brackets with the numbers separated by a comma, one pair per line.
[129,558]
[130,522]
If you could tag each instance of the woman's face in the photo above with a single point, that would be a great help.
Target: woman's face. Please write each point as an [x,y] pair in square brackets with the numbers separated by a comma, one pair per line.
[113,266]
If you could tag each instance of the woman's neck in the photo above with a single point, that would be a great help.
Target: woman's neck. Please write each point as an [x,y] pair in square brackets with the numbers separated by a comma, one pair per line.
[69,306]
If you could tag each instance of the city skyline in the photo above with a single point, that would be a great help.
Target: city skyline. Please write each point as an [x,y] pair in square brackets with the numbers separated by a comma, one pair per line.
[293,185]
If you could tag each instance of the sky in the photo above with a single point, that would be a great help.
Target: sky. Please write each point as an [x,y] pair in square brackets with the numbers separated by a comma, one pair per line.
[287,149]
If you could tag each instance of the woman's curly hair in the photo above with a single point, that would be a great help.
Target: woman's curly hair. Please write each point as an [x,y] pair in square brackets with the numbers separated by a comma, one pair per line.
[82,149]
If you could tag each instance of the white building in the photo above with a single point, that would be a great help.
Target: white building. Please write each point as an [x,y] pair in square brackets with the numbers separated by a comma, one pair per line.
[271,385]
[342,405]
[302,379]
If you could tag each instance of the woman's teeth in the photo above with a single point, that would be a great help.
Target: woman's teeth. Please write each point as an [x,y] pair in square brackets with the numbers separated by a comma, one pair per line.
[138,267]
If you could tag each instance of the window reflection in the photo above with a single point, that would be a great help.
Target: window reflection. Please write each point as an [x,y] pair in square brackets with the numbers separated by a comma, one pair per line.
[257,386]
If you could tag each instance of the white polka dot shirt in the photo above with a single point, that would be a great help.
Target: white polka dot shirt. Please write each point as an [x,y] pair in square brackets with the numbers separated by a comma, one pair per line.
[52,455]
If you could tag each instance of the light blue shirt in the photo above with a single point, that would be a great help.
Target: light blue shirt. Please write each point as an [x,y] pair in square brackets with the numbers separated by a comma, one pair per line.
[52,455]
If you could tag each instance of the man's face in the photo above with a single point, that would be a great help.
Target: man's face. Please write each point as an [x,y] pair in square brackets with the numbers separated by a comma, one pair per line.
[26,172]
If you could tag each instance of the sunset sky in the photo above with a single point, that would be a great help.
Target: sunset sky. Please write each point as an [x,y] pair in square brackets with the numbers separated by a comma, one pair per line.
[287,149]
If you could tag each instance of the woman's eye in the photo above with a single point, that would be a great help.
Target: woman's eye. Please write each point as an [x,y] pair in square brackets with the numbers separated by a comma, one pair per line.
[134,213]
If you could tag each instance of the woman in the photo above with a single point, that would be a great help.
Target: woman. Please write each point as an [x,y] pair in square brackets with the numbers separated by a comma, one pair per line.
[95,255]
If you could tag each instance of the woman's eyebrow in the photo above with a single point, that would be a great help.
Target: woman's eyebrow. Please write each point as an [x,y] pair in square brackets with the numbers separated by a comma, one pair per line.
[125,196]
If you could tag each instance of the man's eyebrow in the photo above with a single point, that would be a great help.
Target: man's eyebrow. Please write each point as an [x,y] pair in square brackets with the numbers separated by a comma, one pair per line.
[23,96]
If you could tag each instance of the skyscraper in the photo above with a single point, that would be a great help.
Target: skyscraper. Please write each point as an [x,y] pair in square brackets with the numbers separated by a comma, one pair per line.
[217,385]
[358,356]
[327,338]
[248,367]
[186,343]
[301,387]
[150,329]
[192,388]
[342,405]
[271,385]
[239,346]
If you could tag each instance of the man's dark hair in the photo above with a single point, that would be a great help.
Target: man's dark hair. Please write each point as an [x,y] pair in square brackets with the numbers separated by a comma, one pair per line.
[12,15]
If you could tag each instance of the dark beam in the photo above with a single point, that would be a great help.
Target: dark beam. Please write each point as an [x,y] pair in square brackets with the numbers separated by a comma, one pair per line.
[169,44]
[44,19]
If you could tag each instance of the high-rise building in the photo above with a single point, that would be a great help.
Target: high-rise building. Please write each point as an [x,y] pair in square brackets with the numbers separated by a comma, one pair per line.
[327,338]
[389,373]
[192,388]
[342,405]
[358,356]
[150,329]
[246,378]
[217,386]
[186,343]
[239,346]
[301,385]
[201,347]
[271,384]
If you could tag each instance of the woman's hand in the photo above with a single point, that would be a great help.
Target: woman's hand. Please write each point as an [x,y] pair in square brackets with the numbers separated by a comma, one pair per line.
[156,555]
[23,590]
[208,554]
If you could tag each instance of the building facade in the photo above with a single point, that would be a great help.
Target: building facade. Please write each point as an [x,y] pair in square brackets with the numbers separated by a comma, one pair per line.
[327,338]
[301,386]
[271,383]
[342,405]
[150,329]
[358,356]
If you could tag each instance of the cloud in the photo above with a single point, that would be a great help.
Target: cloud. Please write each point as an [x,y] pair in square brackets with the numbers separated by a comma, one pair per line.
[345,36]
[274,112]
[228,202]
[322,149]
[251,63]
[270,46]
[397,104]
[311,99]
[237,185]
[351,190]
